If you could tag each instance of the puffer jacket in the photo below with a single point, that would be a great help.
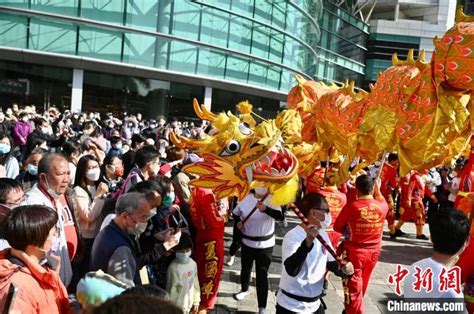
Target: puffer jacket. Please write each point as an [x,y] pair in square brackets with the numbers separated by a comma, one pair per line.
[20,133]
[38,288]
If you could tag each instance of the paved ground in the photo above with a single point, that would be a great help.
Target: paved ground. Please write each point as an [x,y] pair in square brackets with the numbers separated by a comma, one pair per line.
[403,251]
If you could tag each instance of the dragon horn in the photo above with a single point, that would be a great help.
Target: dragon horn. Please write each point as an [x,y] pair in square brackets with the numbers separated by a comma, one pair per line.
[300,79]
[184,142]
[410,57]
[422,56]
[202,112]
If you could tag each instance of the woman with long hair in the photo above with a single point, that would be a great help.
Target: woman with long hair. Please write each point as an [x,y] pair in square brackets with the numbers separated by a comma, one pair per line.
[112,172]
[28,273]
[89,201]
[7,159]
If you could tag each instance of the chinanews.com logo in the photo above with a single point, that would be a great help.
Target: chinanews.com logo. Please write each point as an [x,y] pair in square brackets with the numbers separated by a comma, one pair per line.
[426,290]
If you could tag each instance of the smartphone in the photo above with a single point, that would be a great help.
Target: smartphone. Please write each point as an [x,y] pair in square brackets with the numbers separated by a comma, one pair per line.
[178,226]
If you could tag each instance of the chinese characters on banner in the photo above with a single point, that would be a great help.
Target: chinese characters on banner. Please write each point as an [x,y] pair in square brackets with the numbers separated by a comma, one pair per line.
[210,268]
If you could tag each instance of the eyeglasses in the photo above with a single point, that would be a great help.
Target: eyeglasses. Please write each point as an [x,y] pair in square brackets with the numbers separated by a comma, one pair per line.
[17,202]
[139,220]
[326,210]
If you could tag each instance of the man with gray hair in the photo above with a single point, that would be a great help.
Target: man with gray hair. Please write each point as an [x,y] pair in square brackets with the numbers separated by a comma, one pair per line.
[54,177]
[115,250]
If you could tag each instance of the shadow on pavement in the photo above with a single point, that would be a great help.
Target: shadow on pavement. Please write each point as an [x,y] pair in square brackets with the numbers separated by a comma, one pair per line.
[403,254]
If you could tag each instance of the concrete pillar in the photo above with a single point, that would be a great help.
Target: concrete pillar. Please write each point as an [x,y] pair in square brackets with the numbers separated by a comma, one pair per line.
[76,96]
[208,97]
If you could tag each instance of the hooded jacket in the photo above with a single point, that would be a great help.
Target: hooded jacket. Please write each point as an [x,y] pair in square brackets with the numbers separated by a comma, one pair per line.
[38,289]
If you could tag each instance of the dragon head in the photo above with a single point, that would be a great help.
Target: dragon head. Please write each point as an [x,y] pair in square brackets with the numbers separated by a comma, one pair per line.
[237,158]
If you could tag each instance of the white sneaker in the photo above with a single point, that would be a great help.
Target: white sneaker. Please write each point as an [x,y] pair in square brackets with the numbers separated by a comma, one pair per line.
[285,223]
[230,260]
[241,295]
[261,310]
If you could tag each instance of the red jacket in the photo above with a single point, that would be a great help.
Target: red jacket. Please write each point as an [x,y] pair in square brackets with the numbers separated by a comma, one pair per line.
[389,180]
[362,221]
[336,201]
[466,183]
[315,180]
[404,184]
[204,212]
[417,188]
[39,289]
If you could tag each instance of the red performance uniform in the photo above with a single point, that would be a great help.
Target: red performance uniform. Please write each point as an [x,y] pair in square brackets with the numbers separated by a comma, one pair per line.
[362,223]
[209,244]
[466,182]
[315,180]
[336,201]
[389,182]
[417,189]
[404,184]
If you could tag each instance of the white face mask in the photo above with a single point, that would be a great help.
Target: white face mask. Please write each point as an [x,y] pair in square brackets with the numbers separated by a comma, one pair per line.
[55,195]
[261,191]
[327,221]
[183,257]
[139,228]
[93,174]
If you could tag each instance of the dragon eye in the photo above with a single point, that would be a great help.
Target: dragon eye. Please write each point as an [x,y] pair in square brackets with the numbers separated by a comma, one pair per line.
[232,148]
[244,129]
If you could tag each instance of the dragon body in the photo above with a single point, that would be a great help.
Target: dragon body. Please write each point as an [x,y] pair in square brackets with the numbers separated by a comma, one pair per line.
[419,109]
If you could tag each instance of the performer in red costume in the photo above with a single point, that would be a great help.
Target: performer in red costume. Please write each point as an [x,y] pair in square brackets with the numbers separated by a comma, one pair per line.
[389,184]
[404,184]
[466,183]
[315,180]
[362,223]
[209,245]
[336,201]
[415,210]
[465,203]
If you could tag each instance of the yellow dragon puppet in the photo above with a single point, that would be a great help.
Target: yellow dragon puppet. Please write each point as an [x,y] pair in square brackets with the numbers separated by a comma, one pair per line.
[239,155]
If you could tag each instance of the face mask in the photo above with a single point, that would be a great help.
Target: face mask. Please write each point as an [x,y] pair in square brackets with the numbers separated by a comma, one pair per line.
[55,195]
[118,146]
[45,130]
[118,171]
[4,148]
[168,200]
[139,228]
[2,117]
[25,119]
[88,131]
[9,112]
[261,190]
[183,257]
[32,169]
[152,126]
[93,174]
[327,221]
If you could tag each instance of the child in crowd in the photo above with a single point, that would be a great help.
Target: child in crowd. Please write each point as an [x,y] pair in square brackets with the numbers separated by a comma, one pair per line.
[182,282]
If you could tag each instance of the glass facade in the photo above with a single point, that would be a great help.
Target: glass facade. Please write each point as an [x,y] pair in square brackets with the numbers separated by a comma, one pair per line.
[259,43]
[342,48]
[381,48]
[104,93]
[32,84]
